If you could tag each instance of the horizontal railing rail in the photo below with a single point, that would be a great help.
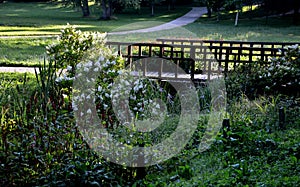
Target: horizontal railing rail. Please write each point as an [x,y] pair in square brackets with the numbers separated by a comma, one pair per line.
[212,57]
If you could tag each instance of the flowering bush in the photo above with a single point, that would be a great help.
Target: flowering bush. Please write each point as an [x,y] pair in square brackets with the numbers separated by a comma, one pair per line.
[276,76]
[133,98]
[72,45]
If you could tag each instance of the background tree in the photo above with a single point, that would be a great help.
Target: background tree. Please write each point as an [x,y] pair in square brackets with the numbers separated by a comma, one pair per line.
[214,5]
[235,5]
[108,6]
[282,7]
[79,4]
[84,4]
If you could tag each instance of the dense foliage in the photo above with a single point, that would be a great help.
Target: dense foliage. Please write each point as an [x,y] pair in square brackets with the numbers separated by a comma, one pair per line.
[276,76]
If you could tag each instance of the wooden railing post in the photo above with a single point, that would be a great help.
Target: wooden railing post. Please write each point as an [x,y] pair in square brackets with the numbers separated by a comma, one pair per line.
[281,118]
[225,127]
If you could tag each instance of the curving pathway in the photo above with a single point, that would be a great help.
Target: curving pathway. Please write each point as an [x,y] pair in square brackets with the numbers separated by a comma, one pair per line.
[188,18]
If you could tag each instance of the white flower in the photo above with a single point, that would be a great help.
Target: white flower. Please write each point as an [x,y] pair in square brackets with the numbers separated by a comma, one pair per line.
[89,64]
[86,69]
[105,106]
[136,88]
[58,79]
[78,75]
[157,106]
[97,64]
[107,95]
[96,69]
[89,111]
[293,46]
[133,97]
[127,83]
[69,68]
[135,108]
[100,59]
[116,96]
[99,88]
[74,106]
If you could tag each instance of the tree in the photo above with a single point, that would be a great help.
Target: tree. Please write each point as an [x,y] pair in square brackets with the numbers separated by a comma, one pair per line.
[235,5]
[282,7]
[82,4]
[108,6]
[85,8]
[208,6]
[106,9]
[214,5]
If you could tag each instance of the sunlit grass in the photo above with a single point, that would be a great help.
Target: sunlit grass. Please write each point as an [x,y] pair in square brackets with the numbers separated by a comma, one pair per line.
[49,18]
[23,51]
[30,51]
[45,30]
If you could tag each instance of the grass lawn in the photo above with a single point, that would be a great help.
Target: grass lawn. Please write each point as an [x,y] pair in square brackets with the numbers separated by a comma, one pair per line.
[30,51]
[48,18]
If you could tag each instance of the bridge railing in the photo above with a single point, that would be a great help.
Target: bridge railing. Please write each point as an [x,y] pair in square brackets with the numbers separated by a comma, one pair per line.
[212,57]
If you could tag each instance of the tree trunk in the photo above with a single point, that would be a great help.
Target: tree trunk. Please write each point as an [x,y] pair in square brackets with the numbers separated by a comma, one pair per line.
[218,14]
[106,9]
[110,8]
[77,5]
[208,10]
[152,8]
[296,11]
[85,8]
[173,4]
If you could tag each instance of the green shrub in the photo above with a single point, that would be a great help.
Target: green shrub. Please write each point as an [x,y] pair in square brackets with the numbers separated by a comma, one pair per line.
[276,76]
[72,45]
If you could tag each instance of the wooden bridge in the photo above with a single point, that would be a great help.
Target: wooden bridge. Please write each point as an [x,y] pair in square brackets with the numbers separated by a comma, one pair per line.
[200,59]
